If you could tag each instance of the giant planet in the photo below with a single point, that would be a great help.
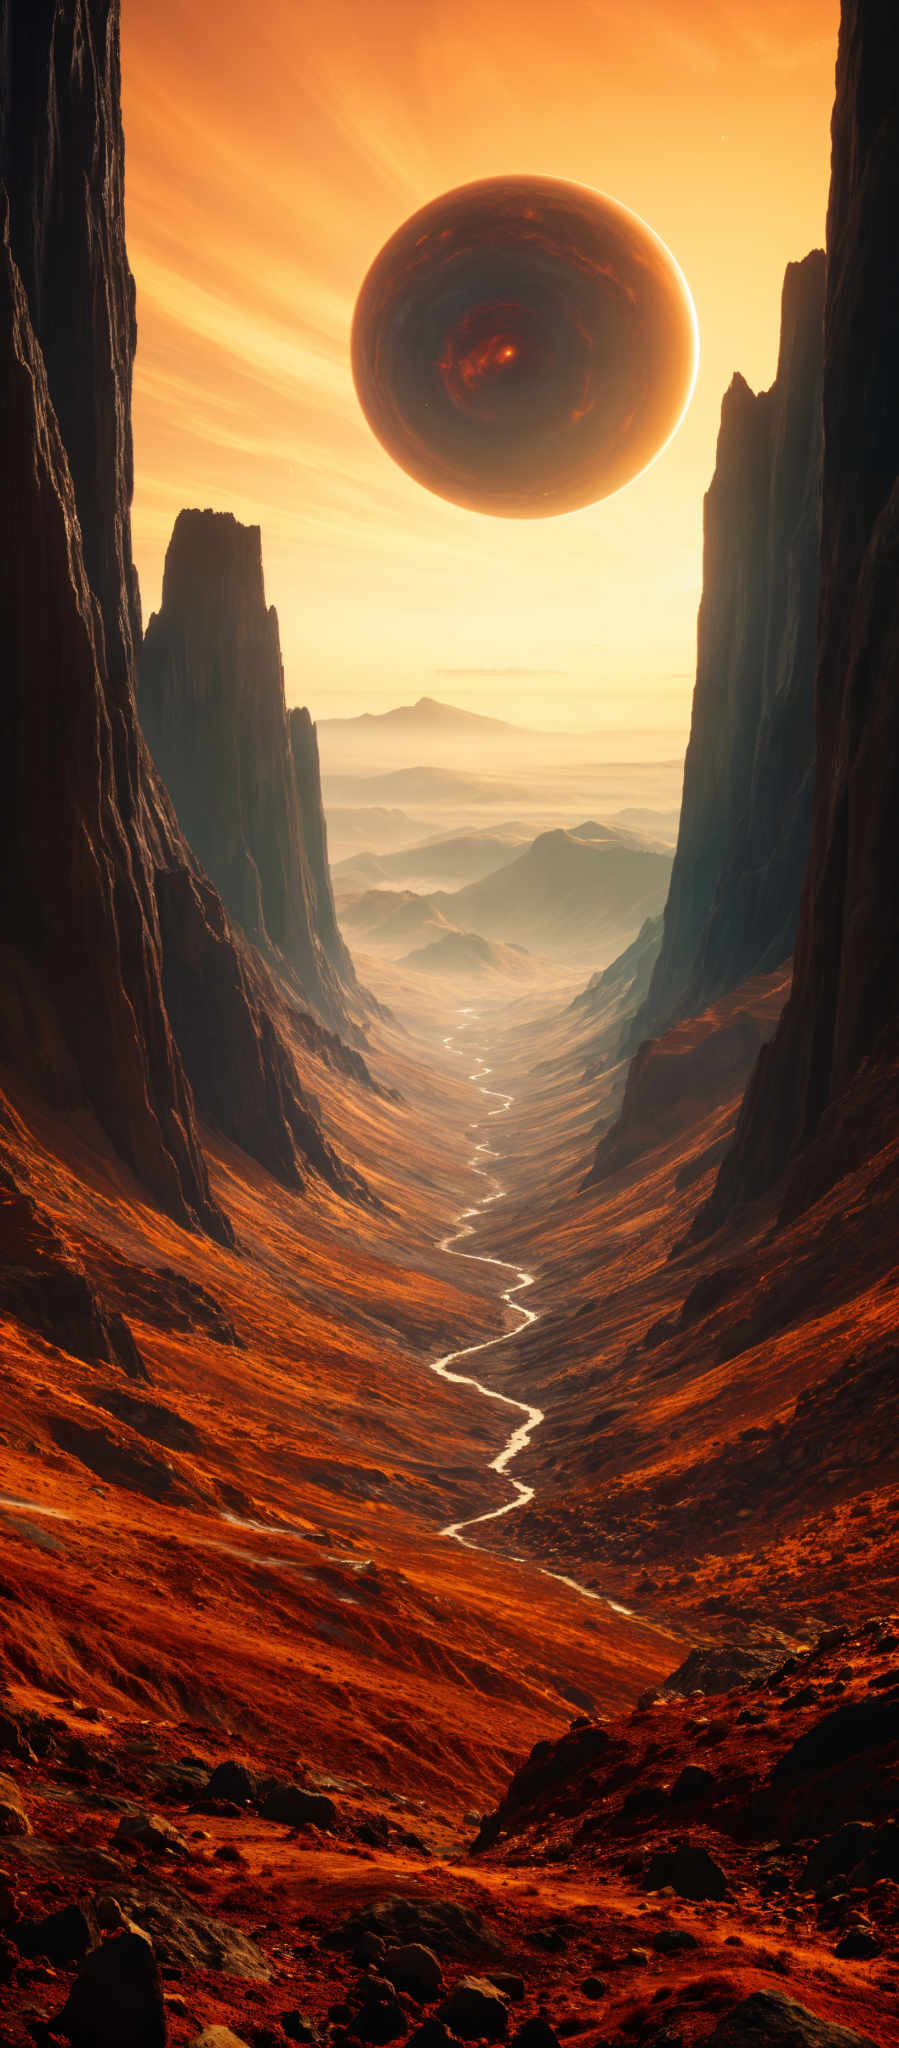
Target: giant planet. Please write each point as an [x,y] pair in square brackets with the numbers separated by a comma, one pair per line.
[524,346]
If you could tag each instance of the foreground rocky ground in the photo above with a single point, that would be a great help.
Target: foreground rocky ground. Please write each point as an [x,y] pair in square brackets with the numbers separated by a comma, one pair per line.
[719,1867]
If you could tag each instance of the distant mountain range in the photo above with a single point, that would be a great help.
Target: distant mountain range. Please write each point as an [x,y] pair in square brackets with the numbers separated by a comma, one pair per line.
[579,895]
[427,716]
[569,893]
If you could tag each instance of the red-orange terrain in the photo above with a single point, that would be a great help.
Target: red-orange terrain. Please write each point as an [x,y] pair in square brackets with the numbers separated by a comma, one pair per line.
[721,1438]
[230,1556]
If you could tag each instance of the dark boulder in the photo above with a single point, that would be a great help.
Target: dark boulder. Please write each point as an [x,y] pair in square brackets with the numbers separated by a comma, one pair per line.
[233,1781]
[414,1969]
[475,2010]
[673,1941]
[116,2000]
[536,2033]
[689,1870]
[858,1728]
[296,1808]
[63,1937]
[767,2020]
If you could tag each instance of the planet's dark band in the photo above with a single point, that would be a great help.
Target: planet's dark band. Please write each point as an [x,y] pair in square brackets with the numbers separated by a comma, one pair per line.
[524,346]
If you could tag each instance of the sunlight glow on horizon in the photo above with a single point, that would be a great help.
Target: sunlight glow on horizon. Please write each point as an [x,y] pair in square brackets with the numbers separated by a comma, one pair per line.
[266,166]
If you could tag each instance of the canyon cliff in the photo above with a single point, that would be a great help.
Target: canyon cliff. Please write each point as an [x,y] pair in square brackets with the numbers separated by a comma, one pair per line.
[308,780]
[745,822]
[212,707]
[124,985]
[827,1081]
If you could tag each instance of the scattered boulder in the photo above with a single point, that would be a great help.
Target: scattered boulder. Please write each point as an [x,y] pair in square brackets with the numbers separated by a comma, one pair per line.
[148,1831]
[689,1870]
[13,1818]
[508,1982]
[415,1969]
[439,1924]
[851,1730]
[295,1808]
[369,1948]
[231,1781]
[116,2000]
[431,2034]
[186,1938]
[837,1854]
[475,2010]
[594,1987]
[381,2017]
[719,1669]
[63,1937]
[693,1784]
[859,1945]
[297,2026]
[536,2033]
[767,2020]
[671,1941]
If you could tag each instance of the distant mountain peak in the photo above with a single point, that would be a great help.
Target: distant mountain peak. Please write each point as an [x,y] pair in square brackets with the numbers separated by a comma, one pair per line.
[425,712]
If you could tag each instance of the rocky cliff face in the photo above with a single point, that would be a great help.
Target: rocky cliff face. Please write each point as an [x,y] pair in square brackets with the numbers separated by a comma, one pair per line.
[88,839]
[308,780]
[745,823]
[211,699]
[828,1075]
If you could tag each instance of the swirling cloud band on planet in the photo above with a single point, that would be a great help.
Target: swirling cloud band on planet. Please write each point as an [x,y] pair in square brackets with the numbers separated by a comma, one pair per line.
[523,346]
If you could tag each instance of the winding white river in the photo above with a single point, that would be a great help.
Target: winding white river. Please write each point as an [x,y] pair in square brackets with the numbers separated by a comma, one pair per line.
[445,1367]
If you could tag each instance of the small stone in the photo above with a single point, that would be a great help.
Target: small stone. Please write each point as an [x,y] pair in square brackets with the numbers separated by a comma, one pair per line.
[670,1941]
[594,1987]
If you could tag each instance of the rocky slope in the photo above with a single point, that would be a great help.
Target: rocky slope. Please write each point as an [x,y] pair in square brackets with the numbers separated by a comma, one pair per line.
[715,1869]
[108,925]
[828,1080]
[211,702]
[744,829]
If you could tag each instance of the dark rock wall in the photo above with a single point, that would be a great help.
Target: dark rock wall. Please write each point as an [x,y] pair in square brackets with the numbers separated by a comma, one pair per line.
[308,780]
[212,707]
[840,1025]
[88,839]
[746,817]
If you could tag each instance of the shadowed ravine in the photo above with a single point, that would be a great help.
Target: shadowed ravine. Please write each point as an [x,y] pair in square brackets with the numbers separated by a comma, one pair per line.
[521,1436]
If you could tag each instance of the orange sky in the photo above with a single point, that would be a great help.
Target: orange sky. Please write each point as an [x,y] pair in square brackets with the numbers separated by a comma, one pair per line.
[272,148]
